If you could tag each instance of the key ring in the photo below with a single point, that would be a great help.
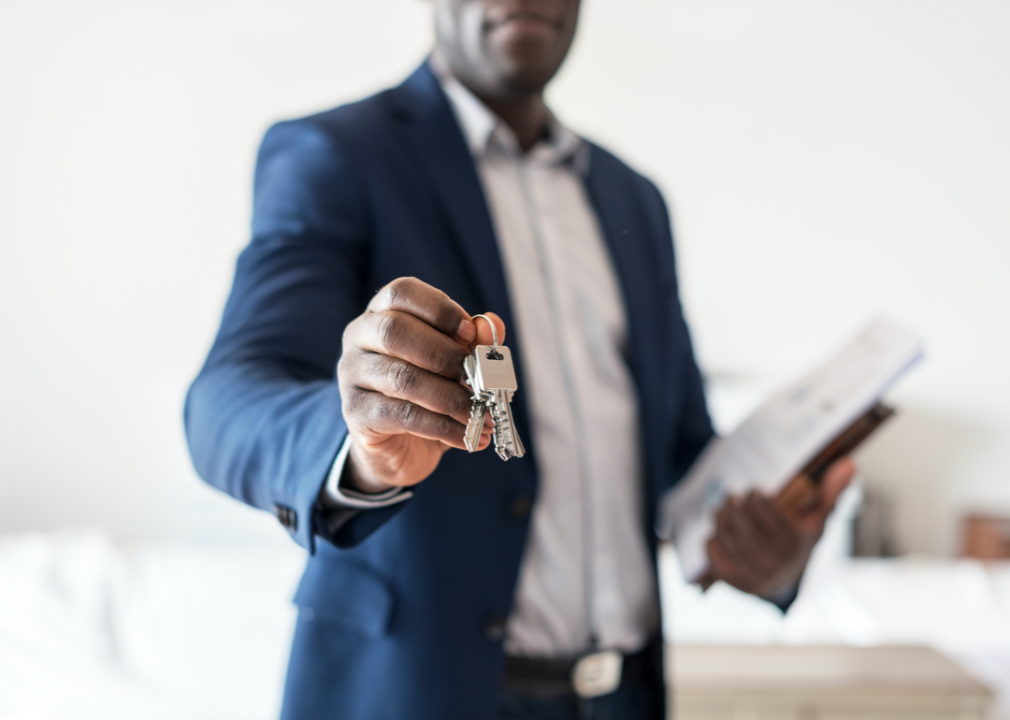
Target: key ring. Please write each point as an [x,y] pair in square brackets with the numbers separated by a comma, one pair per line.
[494,354]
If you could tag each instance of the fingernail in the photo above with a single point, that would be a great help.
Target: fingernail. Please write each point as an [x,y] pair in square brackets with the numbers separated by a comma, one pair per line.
[466,331]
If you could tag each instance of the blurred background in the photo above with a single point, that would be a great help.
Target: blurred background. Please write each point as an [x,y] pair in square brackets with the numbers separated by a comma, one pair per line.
[825,162]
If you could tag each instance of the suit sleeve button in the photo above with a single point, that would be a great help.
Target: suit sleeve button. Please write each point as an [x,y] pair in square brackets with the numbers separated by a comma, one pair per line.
[494,628]
[520,507]
[287,517]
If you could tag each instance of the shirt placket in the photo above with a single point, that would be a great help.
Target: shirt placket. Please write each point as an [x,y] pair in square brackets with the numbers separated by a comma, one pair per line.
[531,172]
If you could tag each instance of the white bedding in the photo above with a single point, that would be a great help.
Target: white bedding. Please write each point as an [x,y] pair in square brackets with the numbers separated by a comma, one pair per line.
[92,630]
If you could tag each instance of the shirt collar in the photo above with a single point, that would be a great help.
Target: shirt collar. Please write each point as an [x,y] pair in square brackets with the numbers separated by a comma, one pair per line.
[483,130]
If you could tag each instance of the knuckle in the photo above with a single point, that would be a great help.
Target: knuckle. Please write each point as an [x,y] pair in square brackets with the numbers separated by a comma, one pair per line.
[442,427]
[406,413]
[347,337]
[343,368]
[386,409]
[448,360]
[402,377]
[348,371]
[388,414]
[460,400]
[389,329]
[354,401]
[399,291]
[450,427]
[447,316]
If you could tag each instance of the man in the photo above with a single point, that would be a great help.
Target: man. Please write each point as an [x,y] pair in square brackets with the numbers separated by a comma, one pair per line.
[443,584]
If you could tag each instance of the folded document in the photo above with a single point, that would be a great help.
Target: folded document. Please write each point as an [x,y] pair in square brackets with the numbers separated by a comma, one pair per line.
[780,438]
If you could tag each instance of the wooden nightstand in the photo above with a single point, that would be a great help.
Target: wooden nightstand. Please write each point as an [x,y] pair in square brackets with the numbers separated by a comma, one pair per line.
[821,683]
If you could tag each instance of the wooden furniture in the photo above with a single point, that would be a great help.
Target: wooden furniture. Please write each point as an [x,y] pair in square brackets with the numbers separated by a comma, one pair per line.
[986,537]
[821,683]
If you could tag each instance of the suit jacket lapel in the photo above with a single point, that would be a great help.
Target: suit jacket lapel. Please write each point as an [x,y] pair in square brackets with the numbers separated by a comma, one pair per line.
[435,137]
[649,321]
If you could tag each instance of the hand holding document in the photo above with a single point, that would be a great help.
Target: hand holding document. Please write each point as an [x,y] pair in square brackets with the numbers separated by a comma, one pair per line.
[800,429]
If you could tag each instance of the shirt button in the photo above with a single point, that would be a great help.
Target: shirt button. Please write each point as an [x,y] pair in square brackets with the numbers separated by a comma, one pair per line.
[494,628]
[287,517]
[520,507]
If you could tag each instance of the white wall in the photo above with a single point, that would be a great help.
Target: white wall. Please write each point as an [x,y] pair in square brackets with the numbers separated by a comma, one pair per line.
[825,161]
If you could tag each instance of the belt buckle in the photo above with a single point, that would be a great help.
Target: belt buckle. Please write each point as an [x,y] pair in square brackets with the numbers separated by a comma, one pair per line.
[597,674]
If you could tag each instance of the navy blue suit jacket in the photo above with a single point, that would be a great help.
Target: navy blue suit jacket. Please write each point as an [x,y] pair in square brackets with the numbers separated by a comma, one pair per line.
[402,609]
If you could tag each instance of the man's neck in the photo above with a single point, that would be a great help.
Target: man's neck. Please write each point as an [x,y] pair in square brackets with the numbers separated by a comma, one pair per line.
[527,116]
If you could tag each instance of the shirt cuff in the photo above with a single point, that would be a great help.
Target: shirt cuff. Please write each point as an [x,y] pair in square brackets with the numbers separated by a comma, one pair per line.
[784,597]
[334,495]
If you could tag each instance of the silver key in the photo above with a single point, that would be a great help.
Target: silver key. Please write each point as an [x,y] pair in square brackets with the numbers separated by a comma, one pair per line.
[479,407]
[495,379]
[492,378]
[506,440]
[473,428]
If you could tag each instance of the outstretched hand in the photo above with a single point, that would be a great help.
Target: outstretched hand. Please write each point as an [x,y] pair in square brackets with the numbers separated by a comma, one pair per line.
[761,545]
[400,383]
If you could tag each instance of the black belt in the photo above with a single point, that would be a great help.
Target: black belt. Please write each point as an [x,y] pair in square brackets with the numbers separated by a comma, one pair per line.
[543,677]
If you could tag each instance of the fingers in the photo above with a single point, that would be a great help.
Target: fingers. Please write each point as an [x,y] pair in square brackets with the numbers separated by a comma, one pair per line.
[728,532]
[757,548]
[835,480]
[729,551]
[755,545]
[721,565]
[381,416]
[405,336]
[402,361]
[771,524]
[413,321]
[426,303]
[396,378]
[399,375]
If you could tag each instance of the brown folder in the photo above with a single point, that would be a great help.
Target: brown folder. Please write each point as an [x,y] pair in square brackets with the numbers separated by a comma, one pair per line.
[801,494]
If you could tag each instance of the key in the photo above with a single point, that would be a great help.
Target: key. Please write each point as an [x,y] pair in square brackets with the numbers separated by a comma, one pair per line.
[495,379]
[477,410]
[473,428]
[506,439]
[492,378]
[479,407]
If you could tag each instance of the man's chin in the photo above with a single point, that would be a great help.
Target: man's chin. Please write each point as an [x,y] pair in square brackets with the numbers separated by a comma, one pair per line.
[525,81]
[526,70]
[526,47]
[525,30]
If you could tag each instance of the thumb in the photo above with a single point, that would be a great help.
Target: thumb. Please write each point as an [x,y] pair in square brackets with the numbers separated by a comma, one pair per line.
[835,480]
[484,334]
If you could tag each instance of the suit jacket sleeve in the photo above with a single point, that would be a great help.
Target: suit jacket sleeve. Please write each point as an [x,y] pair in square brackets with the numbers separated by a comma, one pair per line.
[263,418]
[695,425]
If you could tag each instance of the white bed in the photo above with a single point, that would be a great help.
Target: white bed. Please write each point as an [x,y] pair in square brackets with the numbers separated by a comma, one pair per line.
[92,630]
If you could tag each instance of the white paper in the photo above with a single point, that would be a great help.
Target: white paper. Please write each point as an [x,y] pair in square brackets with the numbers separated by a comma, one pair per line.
[775,442]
